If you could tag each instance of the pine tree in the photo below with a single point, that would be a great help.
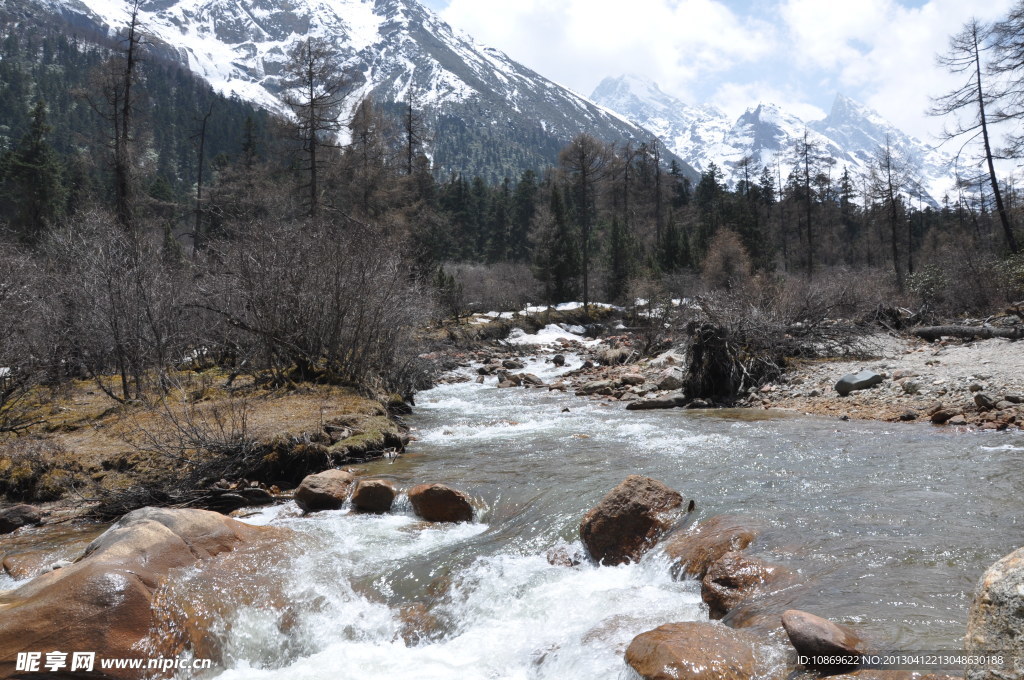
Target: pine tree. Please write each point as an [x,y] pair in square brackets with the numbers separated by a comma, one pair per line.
[33,180]
[621,260]
[556,262]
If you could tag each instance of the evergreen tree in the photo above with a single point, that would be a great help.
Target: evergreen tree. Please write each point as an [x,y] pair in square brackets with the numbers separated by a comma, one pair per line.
[556,261]
[33,187]
[621,260]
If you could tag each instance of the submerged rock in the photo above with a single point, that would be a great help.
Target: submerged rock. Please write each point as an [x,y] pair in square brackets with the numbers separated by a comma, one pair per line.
[734,577]
[693,550]
[629,520]
[373,495]
[814,636]
[104,601]
[857,381]
[995,623]
[440,503]
[327,490]
[693,650]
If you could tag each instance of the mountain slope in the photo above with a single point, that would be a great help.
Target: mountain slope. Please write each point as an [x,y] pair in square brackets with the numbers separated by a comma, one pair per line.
[489,115]
[851,135]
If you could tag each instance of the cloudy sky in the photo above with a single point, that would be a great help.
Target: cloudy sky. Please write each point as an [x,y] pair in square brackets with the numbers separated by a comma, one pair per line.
[734,53]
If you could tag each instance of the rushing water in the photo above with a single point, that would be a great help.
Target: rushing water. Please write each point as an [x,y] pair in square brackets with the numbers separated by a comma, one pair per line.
[889,525]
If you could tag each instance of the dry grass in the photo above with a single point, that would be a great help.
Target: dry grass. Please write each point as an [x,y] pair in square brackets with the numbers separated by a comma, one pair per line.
[89,447]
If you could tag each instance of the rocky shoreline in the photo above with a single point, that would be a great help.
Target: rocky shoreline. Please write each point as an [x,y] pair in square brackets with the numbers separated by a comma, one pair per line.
[951,383]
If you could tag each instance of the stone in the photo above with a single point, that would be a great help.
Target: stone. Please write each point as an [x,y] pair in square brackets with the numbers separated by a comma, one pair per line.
[902,373]
[1002,405]
[734,577]
[440,503]
[911,387]
[943,415]
[857,381]
[957,420]
[418,624]
[327,490]
[558,360]
[603,387]
[373,495]
[693,550]
[995,622]
[976,387]
[693,650]
[104,600]
[814,636]
[18,516]
[531,380]
[670,379]
[909,415]
[657,403]
[615,356]
[1014,398]
[628,521]
[632,379]
[513,364]
[561,557]
[25,565]
[984,402]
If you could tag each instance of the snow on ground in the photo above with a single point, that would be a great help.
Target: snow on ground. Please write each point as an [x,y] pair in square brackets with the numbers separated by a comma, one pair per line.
[550,335]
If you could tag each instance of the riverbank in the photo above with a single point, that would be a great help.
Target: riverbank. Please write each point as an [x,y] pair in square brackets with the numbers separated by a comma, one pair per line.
[978,384]
[213,441]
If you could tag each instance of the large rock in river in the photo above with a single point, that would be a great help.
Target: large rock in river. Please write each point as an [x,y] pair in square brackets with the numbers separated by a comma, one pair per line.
[693,550]
[325,490]
[18,516]
[995,624]
[373,495]
[693,650]
[735,577]
[629,520]
[813,636]
[440,503]
[103,601]
[857,381]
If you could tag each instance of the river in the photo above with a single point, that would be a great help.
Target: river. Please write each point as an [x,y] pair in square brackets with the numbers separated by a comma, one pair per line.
[890,527]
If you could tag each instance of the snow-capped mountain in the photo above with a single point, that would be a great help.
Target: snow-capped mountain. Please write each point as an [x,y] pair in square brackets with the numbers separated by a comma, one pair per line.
[851,135]
[488,114]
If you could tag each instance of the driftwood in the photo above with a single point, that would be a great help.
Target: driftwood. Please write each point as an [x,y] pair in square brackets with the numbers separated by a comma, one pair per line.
[933,333]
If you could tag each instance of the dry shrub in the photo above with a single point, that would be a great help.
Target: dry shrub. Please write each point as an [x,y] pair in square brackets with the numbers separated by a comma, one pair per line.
[727,265]
[502,287]
[35,470]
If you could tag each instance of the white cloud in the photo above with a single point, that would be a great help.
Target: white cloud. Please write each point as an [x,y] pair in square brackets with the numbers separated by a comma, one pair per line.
[578,42]
[883,53]
[795,53]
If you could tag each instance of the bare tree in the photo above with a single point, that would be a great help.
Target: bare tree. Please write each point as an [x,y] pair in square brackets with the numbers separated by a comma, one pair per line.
[316,87]
[114,83]
[586,162]
[968,104]
[889,177]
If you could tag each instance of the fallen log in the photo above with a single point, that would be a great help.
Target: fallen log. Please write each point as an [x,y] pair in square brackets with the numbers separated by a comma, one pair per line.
[933,333]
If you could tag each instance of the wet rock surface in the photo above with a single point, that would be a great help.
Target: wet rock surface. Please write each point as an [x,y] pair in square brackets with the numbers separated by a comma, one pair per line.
[440,503]
[327,490]
[628,521]
[694,549]
[693,651]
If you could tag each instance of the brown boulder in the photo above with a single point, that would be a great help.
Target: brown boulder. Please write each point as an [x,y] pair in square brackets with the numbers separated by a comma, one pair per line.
[23,565]
[995,624]
[629,520]
[734,577]
[440,503]
[814,636]
[18,516]
[418,624]
[103,602]
[325,490]
[693,550]
[373,495]
[693,650]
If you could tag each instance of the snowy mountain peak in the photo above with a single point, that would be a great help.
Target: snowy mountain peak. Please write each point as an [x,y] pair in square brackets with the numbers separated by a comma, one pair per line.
[767,133]
[491,115]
